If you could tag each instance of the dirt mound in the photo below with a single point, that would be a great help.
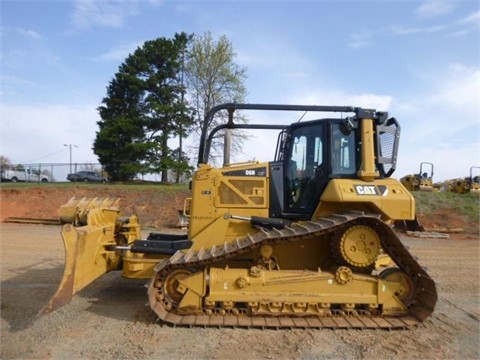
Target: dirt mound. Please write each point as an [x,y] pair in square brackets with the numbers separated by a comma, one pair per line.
[156,207]
[444,219]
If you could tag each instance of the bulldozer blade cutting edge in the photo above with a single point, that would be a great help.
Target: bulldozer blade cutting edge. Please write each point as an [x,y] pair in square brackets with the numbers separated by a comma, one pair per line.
[65,290]
[86,259]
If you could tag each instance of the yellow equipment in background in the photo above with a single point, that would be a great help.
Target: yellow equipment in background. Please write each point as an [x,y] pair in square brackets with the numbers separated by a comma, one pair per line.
[304,240]
[423,181]
[467,184]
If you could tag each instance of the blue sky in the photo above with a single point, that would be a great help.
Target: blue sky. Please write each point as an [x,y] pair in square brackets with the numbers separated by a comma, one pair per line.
[418,60]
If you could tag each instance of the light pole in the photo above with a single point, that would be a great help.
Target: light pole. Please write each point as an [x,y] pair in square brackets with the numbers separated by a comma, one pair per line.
[70,148]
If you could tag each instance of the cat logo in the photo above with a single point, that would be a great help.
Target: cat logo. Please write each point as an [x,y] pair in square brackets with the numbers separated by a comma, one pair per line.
[366,190]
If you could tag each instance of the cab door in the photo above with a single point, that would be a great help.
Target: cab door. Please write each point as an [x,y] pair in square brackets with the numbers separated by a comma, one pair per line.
[306,168]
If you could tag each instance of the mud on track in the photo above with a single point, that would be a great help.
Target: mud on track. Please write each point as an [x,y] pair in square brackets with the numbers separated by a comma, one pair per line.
[109,319]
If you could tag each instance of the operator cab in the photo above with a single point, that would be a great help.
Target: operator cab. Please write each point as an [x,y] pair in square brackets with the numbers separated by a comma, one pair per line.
[308,155]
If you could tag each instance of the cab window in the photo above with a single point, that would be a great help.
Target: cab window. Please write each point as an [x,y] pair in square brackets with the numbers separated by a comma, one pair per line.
[306,157]
[343,151]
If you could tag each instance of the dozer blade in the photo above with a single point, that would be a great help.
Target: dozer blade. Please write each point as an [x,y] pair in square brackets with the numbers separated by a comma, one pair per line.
[89,254]
[76,211]
[86,259]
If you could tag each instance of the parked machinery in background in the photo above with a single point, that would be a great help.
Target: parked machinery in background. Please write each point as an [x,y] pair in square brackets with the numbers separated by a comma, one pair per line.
[423,181]
[466,184]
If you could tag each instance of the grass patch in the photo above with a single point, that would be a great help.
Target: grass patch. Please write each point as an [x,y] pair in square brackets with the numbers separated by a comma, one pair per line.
[464,204]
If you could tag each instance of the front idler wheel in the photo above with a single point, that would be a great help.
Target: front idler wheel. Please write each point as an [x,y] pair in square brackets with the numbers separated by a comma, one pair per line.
[405,292]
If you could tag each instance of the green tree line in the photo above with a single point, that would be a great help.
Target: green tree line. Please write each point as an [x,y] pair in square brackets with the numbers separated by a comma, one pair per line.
[162,92]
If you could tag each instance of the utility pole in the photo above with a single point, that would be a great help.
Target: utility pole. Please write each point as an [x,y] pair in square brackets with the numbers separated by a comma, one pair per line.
[70,148]
[227,140]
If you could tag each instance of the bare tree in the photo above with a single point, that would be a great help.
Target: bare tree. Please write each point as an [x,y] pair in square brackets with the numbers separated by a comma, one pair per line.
[212,78]
[5,162]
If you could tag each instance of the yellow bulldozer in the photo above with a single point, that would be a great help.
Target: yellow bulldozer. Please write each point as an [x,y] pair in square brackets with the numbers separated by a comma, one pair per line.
[423,181]
[304,240]
[467,184]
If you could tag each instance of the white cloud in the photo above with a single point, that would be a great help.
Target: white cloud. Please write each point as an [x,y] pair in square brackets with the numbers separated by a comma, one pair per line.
[442,124]
[37,133]
[434,8]
[120,53]
[463,25]
[11,85]
[458,33]
[28,33]
[400,30]
[22,59]
[449,161]
[360,40]
[182,7]
[246,57]
[281,57]
[155,3]
[92,13]
[458,89]
[473,19]
[16,81]
[335,97]
[14,58]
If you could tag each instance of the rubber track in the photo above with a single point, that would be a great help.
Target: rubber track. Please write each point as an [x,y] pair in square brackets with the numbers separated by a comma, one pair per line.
[421,307]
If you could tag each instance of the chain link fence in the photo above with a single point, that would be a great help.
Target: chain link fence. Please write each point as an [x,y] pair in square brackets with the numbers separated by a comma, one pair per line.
[46,172]
[57,172]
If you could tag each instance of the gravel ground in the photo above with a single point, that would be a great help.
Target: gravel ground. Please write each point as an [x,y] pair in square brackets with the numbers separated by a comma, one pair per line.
[109,319]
